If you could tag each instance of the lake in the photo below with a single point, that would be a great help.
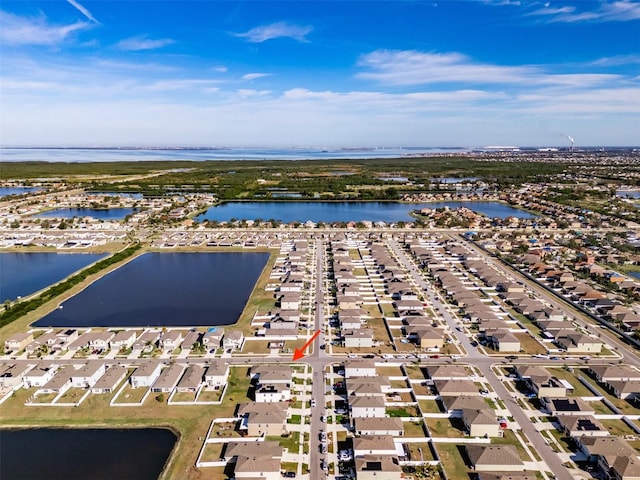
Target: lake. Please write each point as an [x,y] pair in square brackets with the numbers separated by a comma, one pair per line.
[100,214]
[6,191]
[344,211]
[165,289]
[26,273]
[80,454]
[628,193]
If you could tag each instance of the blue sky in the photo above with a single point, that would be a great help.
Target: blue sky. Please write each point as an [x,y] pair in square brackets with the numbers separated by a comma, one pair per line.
[319,73]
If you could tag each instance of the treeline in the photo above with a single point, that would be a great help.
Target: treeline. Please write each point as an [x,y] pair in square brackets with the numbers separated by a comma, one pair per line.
[13,312]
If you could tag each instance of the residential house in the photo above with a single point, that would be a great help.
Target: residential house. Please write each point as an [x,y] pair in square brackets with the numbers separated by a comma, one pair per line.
[272,392]
[171,340]
[123,339]
[362,337]
[145,374]
[217,374]
[566,406]
[379,426]
[539,380]
[12,376]
[257,468]
[192,379]
[109,380]
[267,448]
[579,425]
[494,458]
[505,341]
[233,340]
[263,418]
[168,379]
[605,451]
[377,467]
[481,422]
[60,382]
[574,342]
[360,367]
[456,387]
[373,445]
[367,406]
[88,374]
[18,341]
[39,375]
[213,337]
[607,373]
[455,404]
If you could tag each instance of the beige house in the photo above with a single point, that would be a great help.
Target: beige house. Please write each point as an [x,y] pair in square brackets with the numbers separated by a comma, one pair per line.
[373,445]
[168,379]
[362,337]
[456,403]
[192,379]
[481,422]
[145,374]
[541,381]
[362,407]
[18,341]
[377,467]
[217,374]
[360,368]
[579,425]
[456,387]
[494,458]
[505,341]
[574,342]
[379,426]
[108,382]
[263,418]
[257,468]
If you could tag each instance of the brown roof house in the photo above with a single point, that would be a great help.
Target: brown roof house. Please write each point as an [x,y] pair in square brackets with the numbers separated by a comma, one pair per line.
[263,418]
[494,458]
[377,467]
[481,422]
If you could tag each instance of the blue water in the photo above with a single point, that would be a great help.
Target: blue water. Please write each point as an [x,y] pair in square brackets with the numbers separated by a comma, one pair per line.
[22,274]
[80,454]
[634,274]
[344,211]
[165,289]
[121,155]
[100,214]
[5,191]
[628,193]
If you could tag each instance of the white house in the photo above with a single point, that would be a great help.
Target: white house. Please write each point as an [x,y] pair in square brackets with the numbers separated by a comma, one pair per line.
[146,374]
[87,375]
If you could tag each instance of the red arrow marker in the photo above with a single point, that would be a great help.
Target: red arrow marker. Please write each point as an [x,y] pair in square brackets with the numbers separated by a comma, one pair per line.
[298,353]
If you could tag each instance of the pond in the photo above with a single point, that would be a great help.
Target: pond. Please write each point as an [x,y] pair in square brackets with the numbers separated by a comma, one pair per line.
[344,211]
[26,273]
[80,454]
[165,289]
[97,213]
[6,191]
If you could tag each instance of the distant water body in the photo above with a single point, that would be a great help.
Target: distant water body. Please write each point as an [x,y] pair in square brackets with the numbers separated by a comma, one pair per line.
[134,155]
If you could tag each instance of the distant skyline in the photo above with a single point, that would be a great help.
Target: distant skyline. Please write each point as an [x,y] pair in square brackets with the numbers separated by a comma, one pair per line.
[320,73]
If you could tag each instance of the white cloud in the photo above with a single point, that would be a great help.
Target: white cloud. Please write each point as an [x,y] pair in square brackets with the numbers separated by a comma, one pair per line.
[253,76]
[221,69]
[616,11]
[410,67]
[142,42]
[83,10]
[276,30]
[16,30]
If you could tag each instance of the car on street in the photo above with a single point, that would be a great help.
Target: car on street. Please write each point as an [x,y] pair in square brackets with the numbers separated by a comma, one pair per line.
[289,474]
[484,392]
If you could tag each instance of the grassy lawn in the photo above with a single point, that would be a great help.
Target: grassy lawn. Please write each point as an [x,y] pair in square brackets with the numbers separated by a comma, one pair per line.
[398,384]
[131,395]
[413,429]
[509,438]
[407,411]
[452,461]
[44,398]
[184,397]
[72,395]
[291,442]
[446,427]
[429,406]
[224,430]
[420,389]
[414,372]
[209,395]
[390,371]
[617,427]
[257,347]
[530,345]
[212,452]
[415,454]
[579,390]
[600,408]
